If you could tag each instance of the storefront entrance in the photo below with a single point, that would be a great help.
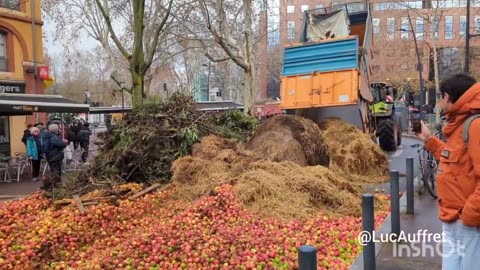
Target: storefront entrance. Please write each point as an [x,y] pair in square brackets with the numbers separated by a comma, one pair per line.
[5,135]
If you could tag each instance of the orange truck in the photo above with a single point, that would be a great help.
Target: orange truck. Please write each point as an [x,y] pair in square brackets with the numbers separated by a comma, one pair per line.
[328,74]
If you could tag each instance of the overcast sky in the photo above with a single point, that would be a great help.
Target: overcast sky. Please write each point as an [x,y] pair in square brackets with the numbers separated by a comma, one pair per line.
[56,49]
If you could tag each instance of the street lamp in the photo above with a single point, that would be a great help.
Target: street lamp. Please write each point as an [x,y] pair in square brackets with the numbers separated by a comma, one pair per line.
[87,100]
[87,96]
[419,65]
[208,80]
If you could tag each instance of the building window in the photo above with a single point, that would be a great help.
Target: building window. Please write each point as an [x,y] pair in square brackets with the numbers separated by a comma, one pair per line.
[463,25]
[290,9]
[273,38]
[291,29]
[449,61]
[405,28]
[398,5]
[11,4]
[3,52]
[477,24]
[4,130]
[304,8]
[448,27]
[376,26]
[419,29]
[390,28]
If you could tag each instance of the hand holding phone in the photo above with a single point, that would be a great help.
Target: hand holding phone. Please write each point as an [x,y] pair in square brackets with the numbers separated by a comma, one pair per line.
[420,129]
[417,126]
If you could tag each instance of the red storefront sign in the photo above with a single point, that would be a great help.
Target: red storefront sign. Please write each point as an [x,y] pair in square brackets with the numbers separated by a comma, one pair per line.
[43,72]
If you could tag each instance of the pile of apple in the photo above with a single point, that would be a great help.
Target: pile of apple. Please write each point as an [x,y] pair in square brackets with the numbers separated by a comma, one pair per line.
[155,232]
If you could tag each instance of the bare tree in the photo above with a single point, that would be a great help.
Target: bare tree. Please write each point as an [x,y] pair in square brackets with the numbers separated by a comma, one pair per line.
[224,31]
[140,26]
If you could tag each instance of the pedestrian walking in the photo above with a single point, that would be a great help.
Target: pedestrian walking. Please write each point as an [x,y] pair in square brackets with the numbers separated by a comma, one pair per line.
[458,175]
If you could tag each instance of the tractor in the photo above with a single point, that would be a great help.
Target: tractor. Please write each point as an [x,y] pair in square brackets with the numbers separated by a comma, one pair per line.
[385,122]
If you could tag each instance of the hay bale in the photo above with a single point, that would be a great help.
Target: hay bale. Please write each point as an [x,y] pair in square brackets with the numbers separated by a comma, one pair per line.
[283,190]
[353,153]
[290,138]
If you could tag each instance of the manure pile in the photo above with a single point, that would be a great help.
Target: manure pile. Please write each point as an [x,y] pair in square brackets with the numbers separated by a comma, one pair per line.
[290,138]
[354,153]
[284,190]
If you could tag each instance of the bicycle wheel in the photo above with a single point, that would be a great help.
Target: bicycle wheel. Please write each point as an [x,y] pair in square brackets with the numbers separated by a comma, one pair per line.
[429,181]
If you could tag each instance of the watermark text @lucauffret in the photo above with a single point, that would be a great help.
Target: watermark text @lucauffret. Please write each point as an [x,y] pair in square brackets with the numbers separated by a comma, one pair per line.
[419,244]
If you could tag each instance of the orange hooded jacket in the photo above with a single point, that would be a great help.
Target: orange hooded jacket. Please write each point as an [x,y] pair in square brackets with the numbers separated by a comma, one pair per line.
[458,175]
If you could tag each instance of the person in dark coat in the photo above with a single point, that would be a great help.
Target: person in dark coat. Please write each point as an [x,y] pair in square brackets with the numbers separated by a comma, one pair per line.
[75,128]
[84,140]
[26,134]
[43,132]
[53,148]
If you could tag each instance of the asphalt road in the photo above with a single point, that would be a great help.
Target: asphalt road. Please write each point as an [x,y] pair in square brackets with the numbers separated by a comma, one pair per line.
[398,160]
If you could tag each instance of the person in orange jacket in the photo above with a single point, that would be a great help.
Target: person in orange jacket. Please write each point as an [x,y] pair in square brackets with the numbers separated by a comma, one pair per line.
[458,174]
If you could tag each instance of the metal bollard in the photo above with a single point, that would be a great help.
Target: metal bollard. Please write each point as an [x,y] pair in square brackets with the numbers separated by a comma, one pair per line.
[395,201]
[368,225]
[307,258]
[410,186]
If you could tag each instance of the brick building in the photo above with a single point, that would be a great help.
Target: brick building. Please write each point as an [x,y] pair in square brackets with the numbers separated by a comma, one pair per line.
[18,43]
[394,56]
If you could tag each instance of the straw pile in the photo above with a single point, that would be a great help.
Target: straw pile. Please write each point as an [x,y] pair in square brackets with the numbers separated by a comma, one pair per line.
[281,189]
[354,153]
[290,138]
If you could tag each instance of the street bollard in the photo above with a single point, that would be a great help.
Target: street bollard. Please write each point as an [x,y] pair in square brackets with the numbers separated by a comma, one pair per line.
[307,258]
[395,201]
[368,226]
[410,186]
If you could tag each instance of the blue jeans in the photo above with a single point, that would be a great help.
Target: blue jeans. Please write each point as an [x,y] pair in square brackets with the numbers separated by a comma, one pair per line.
[461,247]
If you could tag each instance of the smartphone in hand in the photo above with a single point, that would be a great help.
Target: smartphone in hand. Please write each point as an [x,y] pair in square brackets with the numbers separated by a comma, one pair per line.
[417,125]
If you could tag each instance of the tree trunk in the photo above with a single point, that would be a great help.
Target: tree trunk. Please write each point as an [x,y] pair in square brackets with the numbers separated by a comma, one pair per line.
[137,89]
[249,58]
[248,100]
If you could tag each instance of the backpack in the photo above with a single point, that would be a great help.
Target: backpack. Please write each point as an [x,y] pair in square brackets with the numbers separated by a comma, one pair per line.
[466,127]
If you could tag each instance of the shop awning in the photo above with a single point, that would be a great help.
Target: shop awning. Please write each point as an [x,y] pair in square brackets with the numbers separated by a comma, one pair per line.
[25,104]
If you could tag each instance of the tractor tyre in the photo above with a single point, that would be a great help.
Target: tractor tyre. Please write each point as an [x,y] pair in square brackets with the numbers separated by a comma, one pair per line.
[399,134]
[387,134]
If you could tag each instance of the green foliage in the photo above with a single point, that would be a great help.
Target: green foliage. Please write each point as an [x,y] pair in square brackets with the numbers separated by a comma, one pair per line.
[189,138]
[234,124]
[142,147]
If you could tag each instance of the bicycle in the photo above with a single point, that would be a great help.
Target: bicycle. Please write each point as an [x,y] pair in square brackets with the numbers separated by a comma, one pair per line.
[428,169]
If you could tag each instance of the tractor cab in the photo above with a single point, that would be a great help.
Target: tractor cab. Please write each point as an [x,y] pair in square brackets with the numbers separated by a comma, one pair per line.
[387,124]
[382,92]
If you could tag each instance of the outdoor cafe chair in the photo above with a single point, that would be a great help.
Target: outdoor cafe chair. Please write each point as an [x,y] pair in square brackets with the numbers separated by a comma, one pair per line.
[21,162]
[5,168]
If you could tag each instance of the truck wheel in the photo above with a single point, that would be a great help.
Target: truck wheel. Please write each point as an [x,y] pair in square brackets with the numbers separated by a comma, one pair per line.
[387,135]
